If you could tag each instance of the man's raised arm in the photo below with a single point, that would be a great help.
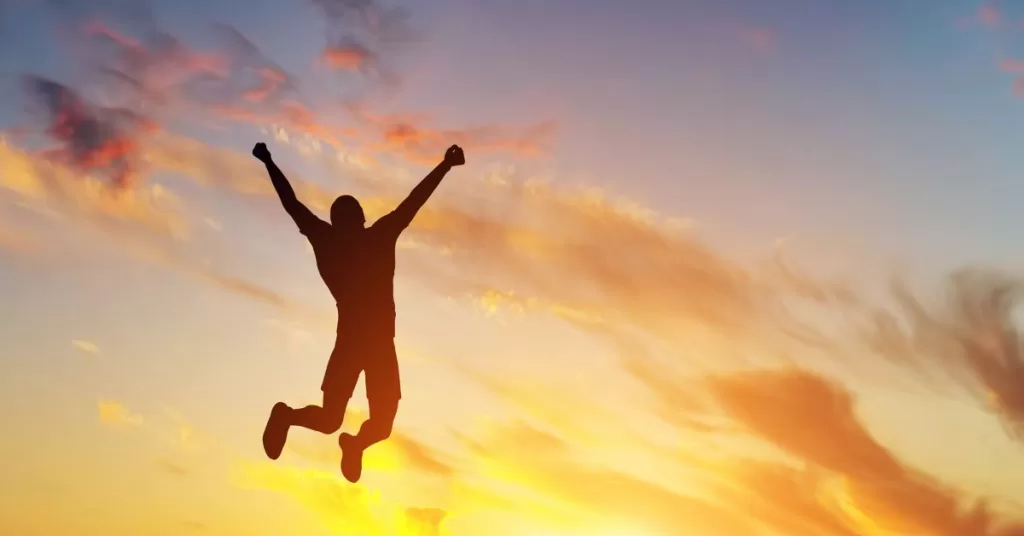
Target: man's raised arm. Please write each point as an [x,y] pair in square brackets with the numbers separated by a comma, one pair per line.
[303,217]
[407,210]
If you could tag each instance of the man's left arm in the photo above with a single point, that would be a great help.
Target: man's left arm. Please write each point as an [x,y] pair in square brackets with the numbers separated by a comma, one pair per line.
[402,216]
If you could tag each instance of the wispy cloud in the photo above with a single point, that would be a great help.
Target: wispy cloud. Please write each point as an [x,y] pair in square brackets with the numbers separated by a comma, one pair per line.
[56,187]
[875,490]
[86,346]
[91,138]
[155,77]
[550,477]
[969,337]
[411,136]
[761,39]
[989,15]
[172,468]
[341,506]
[114,413]
[420,457]
[363,35]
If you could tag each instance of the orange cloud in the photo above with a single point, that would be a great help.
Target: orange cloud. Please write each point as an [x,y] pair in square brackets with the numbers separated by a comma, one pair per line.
[783,499]
[140,219]
[271,80]
[548,474]
[594,260]
[814,420]
[351,56]
[54,186]
[407,136]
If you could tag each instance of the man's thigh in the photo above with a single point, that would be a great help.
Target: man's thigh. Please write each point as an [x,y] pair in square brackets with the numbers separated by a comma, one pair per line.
[342,374]
[383,381]
[335,402]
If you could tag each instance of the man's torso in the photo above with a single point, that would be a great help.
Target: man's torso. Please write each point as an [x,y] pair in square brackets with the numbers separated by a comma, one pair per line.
[359,270]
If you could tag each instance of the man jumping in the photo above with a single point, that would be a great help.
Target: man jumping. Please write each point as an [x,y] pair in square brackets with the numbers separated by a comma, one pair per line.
[358,265]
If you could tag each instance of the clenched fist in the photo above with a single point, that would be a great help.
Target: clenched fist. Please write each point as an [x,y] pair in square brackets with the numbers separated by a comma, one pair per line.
[454,156]
[261,152]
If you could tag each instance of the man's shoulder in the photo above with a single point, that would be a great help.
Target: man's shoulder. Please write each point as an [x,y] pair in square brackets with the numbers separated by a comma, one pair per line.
[383,221]
[316,228]
[385,228]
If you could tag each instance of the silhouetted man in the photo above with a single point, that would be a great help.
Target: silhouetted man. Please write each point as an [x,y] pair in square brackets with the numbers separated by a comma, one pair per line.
[358,265]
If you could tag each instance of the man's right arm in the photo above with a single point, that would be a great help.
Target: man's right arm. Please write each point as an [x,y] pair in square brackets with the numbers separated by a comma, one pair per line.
[303,217]
[401,217]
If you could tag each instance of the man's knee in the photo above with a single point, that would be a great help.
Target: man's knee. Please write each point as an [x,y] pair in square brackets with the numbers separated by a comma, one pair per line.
[384,428]
[376,429]
[333,421]
[335,405]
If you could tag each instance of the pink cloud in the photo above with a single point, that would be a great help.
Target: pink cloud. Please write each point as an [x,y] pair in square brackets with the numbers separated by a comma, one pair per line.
[1010,65]
[1018,87]
[761,40]
[988,15]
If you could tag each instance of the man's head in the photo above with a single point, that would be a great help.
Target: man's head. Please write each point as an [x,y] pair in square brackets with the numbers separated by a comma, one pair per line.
[346,213]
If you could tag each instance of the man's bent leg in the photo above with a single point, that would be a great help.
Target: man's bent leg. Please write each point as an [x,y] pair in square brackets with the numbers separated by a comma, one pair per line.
[374,430]
[382,418]
[383,390]
[326,419]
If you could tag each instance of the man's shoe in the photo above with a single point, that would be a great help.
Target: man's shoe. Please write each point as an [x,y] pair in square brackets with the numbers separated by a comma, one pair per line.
[276,433]
[351,457]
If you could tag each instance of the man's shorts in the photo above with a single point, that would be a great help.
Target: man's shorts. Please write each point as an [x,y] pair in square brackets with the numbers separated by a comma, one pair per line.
[374,355]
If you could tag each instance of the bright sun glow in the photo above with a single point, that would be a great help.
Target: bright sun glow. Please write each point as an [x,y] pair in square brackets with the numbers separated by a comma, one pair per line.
[609,529]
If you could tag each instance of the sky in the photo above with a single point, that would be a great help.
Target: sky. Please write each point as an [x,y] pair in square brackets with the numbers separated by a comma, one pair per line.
[712,267]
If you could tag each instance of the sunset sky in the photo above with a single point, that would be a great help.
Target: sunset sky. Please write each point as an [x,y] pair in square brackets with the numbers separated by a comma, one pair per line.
[713,268]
